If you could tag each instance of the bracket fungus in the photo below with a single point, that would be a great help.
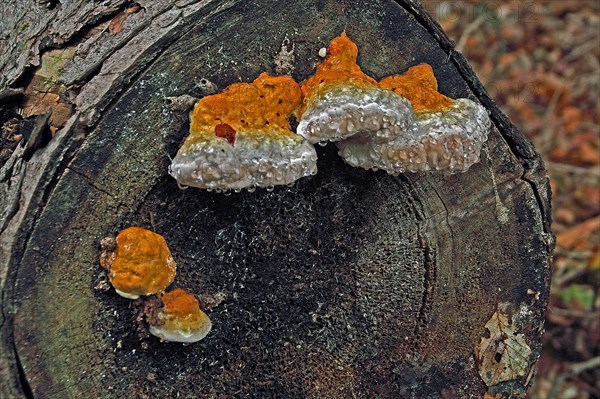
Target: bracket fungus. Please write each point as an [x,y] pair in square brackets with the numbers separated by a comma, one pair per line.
[180,318]
[446,134]
[340,100]
[241,138]
[138,262]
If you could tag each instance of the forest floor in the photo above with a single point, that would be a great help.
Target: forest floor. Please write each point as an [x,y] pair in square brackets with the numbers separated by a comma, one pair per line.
[540,61]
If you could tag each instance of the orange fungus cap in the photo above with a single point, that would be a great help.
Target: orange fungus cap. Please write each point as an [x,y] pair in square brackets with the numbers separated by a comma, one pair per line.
[141,264]
[341,100]
[266,102]
[179,303]
[241,138]
[419,86]
[339,66]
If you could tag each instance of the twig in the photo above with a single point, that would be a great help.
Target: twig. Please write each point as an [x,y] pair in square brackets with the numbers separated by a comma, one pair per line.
[9,94]
[582,50]
[573,254]
[567,276]
[579,170]
[467,32]
[589,175]
[594,64]
[547,133]
[574,369]
[573,313]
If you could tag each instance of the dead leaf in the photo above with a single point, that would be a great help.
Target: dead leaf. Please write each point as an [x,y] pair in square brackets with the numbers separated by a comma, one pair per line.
[45,89]
[116,24]
[588,154]
[569,238]
[565,216]
[593,262]
[504,356]
[572,117]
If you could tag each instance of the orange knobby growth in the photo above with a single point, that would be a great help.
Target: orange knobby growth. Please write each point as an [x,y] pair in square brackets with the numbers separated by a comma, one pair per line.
[225,131]
[419,86]
[339,66]
[266,102]
[179,303]
[141,263]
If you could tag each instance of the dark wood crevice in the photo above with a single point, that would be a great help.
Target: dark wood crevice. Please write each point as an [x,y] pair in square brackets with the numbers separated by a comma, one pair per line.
[23,380]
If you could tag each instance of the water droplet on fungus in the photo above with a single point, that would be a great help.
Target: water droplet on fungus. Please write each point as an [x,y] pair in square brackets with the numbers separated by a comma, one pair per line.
[445,134]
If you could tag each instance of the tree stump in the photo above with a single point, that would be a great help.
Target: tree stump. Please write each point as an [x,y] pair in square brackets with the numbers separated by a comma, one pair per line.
[349,284]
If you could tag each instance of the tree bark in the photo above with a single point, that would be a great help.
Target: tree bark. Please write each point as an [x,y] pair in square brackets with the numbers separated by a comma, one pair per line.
[348,284]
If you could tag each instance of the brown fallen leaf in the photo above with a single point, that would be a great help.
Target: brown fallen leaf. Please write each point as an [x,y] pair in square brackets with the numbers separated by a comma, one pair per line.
[504,356]
[570,237]
[133,9]
[116,24]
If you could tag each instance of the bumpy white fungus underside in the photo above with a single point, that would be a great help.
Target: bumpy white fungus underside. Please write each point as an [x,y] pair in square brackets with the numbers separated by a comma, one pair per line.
[186,336]
[255,160]
[127,295]
[343,110]
[444,140]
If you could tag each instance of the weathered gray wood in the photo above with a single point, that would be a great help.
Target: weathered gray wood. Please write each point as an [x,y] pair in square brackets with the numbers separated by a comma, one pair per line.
[349,284]
[30,26]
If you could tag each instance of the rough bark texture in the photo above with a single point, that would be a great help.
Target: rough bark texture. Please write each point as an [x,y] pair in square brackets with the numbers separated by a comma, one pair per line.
[348,284]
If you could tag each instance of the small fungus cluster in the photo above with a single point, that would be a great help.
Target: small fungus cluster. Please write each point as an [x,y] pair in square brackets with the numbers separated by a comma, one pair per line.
[241,138]
[139,263]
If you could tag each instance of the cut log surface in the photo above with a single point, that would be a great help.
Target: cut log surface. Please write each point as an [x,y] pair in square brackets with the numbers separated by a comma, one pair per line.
[350,284]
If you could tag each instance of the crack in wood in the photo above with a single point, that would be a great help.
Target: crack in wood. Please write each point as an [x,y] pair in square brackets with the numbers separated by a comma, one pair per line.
[90,181]
[100,93]
[429,280]
[40,36]
[429,259]
[24,383]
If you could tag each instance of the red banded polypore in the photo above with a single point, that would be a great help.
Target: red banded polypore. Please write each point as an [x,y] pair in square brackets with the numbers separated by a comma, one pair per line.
[446,134]
[341,101]
[241,138]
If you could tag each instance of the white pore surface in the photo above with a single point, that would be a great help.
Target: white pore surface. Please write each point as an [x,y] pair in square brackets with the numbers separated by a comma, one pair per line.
[343,110]
[445,140]
[255,159]
[186,336]
[127,295]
